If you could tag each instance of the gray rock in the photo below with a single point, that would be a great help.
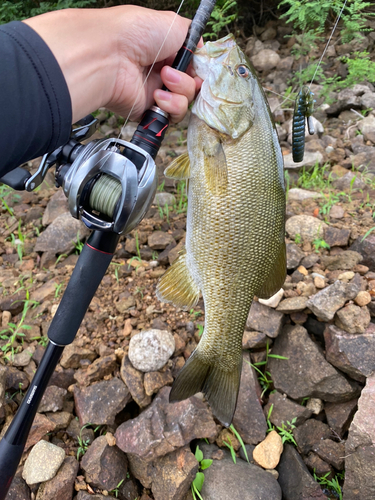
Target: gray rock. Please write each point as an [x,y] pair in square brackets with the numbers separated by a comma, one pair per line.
[163,199]
[265,60]
[248,418]
[61,235]
[339,415]
[360,448]
[53,399]
[150,350]
[18,489]
[292,305]
[295,480]
[336,237]
[72,355]
[310,159]
[23,358]
[353,319]
[294,255]
[284,410]
[97,370]
[43,462]
[225,480]
[164,427]
[297,194]
[346,182]
[367,249]
[342,260]
[61,486]
[306,373]
[105,466]
[264,319]
[158,240]
[367,126]
[254,340]
[133,380]
[352,354]
[331,452]
[325,303]
[56,206]
[83,495]
[308,227]
[99,403]
[309,433]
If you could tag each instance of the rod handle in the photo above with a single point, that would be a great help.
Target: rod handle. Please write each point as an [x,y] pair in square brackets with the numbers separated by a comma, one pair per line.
[10,456]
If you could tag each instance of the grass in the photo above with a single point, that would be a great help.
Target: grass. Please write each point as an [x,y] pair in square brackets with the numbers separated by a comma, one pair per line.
[115,490]
[264,377]
[200,330]
[197,484]
[331,484]
[318,178]
[285,431]
[137,244]
[83,444]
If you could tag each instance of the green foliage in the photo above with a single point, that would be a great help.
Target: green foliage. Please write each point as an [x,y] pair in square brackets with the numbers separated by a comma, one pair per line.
[285,431]
[297,239]
[264,377]
[83,444]
[231,449]
[314,179]
[78,245]
[331,484]
[137,244]
[116,490]
[197,484]
[13,10]
[319,243]
[200,329]
[231,427]
[222,17]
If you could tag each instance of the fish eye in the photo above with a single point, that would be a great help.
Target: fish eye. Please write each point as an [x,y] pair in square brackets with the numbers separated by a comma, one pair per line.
[243,71]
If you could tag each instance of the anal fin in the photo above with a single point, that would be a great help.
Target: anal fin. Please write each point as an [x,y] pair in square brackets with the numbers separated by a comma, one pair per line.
[178,286]
[179,168]
[276,276]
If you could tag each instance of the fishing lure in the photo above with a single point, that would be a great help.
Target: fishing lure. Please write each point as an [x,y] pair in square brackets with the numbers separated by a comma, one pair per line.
[304,108]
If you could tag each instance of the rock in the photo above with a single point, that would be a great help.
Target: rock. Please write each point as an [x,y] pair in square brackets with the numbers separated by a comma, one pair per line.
[352,354]
[331,452]
[133,380]
[360,448]
[248,418]
[225,480]
[339,415]
[77,432]
[105,466]
[18,489]
[308,227]
[97,370]
[163,199]
[336,212]
[153,381]
[72,355]
[62,378]
[124,304]
[61,235]
[44,291]
[265,60]
[13,303]
[317,465]
[264,319]
[295,480]
[274,300]
[353,319]
[367,249]
[83,495]
[53,399]
[315,405]
[346,182]
[284,410]
[267,453]
[342,260]
[329,300]
[173,474]
[150,350]
[292,305]
[294,255]
[61,419]
[61,486]
[306,373]
[164,427]
[310,159]
[362,299]
[310,433]
[336,237]
[56,206]
[43,462]
[23,358]
[297,194]
[254,340]
[158,240]
[99,403]
[40,427]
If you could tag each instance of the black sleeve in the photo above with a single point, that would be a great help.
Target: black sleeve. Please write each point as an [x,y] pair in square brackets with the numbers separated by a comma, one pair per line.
[35,106]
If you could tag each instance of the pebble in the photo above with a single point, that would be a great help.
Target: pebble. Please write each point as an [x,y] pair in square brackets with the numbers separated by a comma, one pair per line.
[267,453]
[353,319]
[319,282]
[362,299]
[346,276]
[43,462]
[315,405]
[150,350]
[274,300]
[163,199]
[309,228]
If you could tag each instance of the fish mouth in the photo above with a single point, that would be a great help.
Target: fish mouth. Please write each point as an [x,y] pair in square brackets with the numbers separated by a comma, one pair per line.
[221,99]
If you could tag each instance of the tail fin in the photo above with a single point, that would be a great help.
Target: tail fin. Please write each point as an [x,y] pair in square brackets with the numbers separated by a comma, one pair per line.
[220,387]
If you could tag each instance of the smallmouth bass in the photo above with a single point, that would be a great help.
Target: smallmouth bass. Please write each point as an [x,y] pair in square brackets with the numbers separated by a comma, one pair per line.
[235,239]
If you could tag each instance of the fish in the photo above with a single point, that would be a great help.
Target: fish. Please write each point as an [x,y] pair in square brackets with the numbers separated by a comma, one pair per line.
[235,237]
[304,108]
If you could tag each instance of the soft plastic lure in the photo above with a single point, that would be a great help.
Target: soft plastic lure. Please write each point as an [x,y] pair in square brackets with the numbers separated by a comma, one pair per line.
[303,109]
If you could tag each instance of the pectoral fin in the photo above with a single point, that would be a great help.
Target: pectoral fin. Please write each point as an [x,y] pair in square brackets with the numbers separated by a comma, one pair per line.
[179,168]
[178,286]
[215,168]
[276,276]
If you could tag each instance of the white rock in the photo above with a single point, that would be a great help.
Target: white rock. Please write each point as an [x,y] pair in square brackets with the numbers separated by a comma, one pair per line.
[150,350]
[163,199]
[43,462]
[297,194]
[274,300]
[308,227]
[310,159]
[265,60]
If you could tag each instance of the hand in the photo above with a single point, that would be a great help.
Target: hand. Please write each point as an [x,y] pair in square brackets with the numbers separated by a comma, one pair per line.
[105,55]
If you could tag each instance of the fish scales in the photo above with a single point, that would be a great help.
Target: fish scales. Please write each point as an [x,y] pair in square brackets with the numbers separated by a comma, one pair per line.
[235,228]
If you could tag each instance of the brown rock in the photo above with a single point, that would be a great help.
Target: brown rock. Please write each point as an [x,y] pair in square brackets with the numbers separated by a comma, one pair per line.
[284,410]
[61,486]
[72,355]
[18,489]
[317,465]
[164,427]
[61,419]
[292,304]
[133,380]
[158,240]
[13,303]
[153,381]
[53,399]
[339,415]
[105,466]
[310,433]
[254,340]
[343,260]
[46,290]
[40,427]
[267,453]
[353,319]
[336,237]
[227,436]
[362,299]
[97,370]
[264,319]
[15,379]
[331,452]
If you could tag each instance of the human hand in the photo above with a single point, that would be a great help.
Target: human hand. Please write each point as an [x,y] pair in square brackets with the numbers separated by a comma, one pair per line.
[105,55]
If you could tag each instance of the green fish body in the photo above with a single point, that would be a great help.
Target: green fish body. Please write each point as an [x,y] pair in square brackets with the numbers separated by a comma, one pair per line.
[235,243]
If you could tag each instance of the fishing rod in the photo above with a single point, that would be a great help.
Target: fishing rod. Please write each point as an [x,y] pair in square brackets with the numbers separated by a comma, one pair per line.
[110,184]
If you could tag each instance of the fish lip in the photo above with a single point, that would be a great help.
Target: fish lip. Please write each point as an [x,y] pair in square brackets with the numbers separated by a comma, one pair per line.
[225,101]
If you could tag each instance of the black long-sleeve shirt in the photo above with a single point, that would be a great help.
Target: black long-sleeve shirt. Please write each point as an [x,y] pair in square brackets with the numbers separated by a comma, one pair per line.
[35,105]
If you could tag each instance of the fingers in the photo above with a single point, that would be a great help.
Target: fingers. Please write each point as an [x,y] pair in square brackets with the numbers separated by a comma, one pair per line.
[174,104]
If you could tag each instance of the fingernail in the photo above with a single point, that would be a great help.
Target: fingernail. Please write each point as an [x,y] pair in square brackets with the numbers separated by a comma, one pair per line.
[172,75]
[163,95]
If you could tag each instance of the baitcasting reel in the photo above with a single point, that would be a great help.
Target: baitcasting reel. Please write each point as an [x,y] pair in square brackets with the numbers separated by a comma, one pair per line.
[109,183]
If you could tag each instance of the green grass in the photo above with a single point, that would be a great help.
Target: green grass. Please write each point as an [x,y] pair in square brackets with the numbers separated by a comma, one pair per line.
[285,431]
[331,484]
[197,484]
